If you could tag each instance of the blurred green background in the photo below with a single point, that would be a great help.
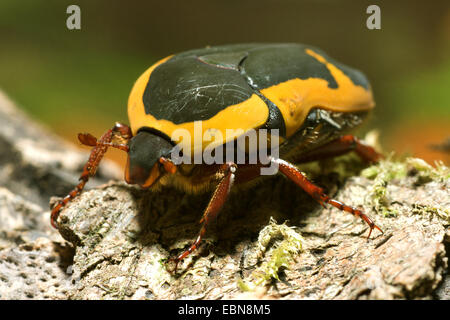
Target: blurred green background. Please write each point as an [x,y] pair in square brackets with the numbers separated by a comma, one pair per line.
[79,80]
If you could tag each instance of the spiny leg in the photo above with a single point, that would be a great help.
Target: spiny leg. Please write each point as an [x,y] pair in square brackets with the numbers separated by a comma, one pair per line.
[341,146]
[317,193]
[120,131]
[215,204]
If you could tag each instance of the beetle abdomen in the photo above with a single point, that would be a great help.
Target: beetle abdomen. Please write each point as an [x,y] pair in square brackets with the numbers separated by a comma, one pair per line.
[320,127]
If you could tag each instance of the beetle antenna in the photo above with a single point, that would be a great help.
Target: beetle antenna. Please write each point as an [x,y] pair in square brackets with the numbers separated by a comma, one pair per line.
[100,146]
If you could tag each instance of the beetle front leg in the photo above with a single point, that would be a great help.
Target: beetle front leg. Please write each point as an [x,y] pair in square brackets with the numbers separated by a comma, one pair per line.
[120,131]
[89,140]
[216,203]
[317,193]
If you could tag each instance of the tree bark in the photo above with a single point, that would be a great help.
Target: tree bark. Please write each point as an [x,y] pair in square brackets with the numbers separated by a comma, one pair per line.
[271,240]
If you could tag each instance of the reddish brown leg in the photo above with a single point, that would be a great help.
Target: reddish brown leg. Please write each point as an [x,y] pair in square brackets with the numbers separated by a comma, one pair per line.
[341,146]
[89,140]
[168,165]
[215,204]
[120,131]
[317,193]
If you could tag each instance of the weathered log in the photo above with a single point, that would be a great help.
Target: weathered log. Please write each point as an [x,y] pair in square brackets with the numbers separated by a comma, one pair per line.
[34,166]
[271,240]
[123,236]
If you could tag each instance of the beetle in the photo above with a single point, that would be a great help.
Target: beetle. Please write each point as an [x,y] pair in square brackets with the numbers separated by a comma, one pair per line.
[310,99]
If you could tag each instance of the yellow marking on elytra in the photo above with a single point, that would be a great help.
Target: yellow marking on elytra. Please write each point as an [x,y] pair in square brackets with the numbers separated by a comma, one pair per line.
[316,55]
[296,97]
[135,99]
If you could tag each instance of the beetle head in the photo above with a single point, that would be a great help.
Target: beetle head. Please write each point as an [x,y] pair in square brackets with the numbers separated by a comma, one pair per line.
[146,159]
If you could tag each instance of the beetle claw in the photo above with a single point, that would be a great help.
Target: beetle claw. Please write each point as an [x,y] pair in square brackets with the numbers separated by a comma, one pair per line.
[175,261]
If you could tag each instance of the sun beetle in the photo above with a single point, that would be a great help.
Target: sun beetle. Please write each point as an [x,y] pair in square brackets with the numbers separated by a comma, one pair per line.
[310,98]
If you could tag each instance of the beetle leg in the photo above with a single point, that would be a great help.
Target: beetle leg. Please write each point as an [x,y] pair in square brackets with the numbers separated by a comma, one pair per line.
[168,165]
[317,193]
[215,204]
[120,146]
[341,146]
[120,131]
